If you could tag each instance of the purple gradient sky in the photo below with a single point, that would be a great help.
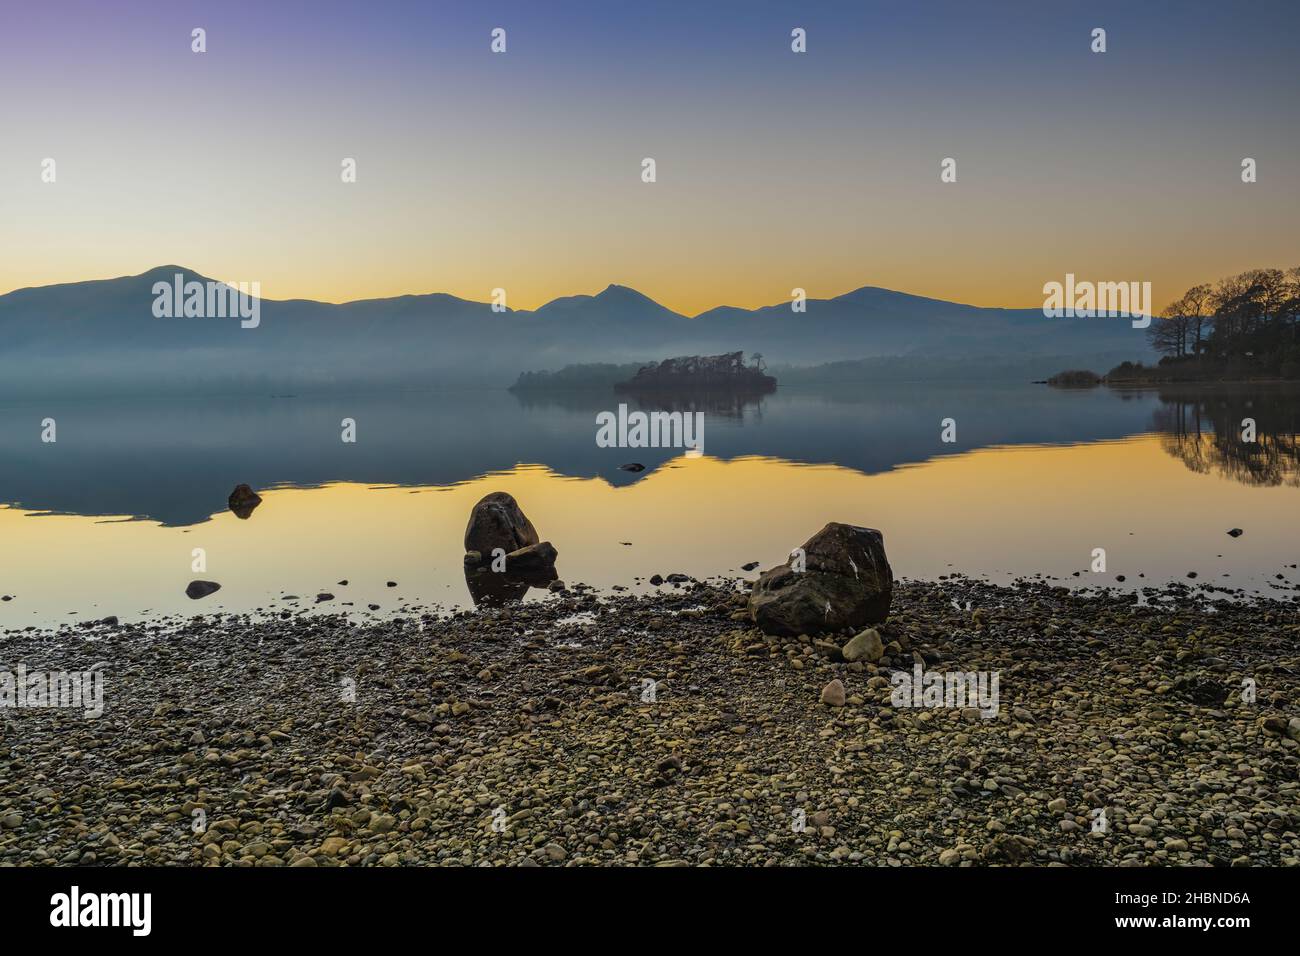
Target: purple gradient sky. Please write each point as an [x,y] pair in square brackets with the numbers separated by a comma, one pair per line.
[776,170]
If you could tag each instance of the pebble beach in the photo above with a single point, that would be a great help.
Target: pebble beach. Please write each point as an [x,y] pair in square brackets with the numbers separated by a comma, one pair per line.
[666,730]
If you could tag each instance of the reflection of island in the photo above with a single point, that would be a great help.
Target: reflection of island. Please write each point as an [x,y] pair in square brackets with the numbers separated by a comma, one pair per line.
[720,385]
[714,384]
[720,403]
[1210,431]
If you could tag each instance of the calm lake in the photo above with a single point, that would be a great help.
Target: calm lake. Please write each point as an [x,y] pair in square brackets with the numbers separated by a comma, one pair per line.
[105,520]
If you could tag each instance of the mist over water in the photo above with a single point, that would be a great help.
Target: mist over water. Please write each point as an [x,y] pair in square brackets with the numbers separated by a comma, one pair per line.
[104,520]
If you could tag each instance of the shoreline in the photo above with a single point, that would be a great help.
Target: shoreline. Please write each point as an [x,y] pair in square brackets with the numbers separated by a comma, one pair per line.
[519,736]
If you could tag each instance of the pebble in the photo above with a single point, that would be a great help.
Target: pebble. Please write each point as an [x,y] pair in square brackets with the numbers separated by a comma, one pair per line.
[322,740]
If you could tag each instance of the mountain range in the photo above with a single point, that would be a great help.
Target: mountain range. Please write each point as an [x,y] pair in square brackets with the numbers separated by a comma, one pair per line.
[102,336]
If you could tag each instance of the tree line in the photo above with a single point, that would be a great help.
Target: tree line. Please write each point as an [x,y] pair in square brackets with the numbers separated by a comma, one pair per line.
[1249,323]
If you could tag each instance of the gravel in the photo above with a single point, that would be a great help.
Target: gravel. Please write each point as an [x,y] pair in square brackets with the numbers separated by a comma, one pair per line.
[666,730]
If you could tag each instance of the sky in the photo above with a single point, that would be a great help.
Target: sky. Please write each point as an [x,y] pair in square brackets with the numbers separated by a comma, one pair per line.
[522,170]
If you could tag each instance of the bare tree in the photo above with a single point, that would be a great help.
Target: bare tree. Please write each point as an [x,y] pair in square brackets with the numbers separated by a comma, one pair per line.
[1198,306]
[1169,334]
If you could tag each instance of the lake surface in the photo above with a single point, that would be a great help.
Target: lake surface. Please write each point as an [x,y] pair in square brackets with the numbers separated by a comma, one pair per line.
[105,519]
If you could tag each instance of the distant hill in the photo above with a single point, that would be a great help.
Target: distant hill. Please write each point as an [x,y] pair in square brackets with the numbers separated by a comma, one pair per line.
[102,335]
[915,368]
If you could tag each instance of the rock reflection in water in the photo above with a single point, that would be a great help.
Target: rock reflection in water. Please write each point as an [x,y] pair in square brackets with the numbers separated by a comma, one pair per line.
[493,588]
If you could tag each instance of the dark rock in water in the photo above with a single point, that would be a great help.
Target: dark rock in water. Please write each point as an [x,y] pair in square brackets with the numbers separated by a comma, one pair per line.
[110,621]
[632,466]
[1236,532]
[7,597]
[749,567]
[324,596]
[243,500]
[497,521]
[846,583]
[201,589]
[392,584]
[344,582]
[535,559]
[656,579]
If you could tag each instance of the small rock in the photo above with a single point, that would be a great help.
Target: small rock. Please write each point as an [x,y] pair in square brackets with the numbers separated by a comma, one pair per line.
[201,589]
[833,694]
[865,646]
[243,500]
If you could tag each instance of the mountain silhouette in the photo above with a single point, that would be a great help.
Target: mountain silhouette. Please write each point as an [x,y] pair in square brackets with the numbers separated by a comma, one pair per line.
[102,335]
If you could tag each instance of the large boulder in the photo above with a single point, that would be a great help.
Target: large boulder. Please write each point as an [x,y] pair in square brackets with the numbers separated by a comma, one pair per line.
[497,521]
[846,583]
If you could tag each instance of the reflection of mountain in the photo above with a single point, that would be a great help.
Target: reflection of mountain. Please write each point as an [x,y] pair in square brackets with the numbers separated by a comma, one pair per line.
[176,461]
[1204,428]
[101,336]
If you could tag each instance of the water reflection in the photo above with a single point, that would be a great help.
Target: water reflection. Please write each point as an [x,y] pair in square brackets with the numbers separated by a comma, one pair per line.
[491,588]
[176,461]
[1208,431]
